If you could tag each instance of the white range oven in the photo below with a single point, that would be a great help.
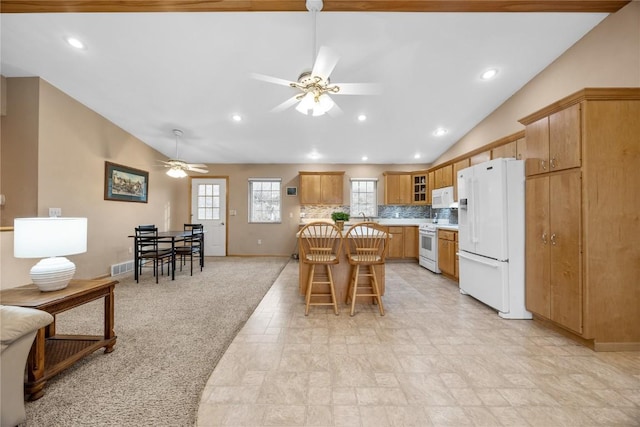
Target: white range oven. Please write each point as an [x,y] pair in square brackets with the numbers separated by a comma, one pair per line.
[429,247]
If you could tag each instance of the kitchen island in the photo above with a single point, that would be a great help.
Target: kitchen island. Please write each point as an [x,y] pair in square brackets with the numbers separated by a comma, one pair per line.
[341,272]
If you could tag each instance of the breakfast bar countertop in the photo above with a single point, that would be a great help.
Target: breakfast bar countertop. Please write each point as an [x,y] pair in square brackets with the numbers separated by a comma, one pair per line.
[381,221]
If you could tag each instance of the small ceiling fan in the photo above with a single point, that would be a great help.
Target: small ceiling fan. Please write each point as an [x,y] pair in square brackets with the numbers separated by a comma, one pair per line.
[178,168]
[315,86]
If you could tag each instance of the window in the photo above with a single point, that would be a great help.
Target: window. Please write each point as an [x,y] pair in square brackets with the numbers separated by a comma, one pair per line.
[364,196]
[264,200]
[208,202]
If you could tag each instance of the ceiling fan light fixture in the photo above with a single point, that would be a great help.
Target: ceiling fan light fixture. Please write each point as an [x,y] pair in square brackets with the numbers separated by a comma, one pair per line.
[176,172]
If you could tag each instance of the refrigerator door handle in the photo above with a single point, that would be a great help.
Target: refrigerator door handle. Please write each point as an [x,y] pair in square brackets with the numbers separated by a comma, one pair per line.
[474,204]
[478,260]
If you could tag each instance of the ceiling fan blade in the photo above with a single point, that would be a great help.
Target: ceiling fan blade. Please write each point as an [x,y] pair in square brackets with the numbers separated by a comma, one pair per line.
[286,104]
[198,170]
[270,79]
[325,62]
[358,89]
[196,165]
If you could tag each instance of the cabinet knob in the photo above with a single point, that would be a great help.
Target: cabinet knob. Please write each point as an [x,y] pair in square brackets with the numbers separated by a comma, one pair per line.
[553,163]
[553,239]
[543,164]
[544,238]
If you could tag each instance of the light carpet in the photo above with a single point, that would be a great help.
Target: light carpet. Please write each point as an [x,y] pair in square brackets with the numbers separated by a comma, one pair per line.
[170,337]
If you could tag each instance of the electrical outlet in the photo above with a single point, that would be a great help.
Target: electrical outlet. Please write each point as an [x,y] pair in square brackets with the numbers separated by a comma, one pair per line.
[259,241]
[55,212]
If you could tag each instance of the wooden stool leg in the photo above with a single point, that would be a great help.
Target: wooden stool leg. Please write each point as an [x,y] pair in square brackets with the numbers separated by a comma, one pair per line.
[354,296]
[376,290]
[309,286]
[333,289]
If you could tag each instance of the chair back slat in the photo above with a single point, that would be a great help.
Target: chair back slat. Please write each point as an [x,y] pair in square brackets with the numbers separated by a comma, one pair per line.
[320,243]
[367,243]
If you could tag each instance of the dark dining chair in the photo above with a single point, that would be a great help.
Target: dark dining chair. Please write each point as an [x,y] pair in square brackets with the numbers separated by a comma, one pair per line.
[191,246]
[150,250]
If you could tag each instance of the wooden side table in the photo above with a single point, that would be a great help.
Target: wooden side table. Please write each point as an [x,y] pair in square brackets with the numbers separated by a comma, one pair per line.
[51,353]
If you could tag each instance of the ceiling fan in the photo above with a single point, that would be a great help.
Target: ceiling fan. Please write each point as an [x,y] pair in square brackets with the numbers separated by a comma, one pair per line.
[315,86]
[178,168]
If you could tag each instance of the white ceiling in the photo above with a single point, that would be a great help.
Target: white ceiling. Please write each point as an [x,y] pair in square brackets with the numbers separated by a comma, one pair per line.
[152,72]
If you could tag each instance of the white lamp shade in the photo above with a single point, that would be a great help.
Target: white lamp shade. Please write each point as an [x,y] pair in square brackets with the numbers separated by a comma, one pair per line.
[49,237]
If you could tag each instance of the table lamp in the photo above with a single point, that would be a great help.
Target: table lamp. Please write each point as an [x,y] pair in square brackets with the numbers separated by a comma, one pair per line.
[51,239]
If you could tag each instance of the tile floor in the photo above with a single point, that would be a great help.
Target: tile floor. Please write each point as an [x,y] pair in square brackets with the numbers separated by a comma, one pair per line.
[436,358]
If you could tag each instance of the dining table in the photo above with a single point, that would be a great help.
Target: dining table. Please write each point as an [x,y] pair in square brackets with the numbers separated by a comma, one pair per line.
[169,237]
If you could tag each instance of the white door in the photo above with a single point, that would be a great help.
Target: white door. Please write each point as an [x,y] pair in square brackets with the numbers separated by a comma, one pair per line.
[209,208]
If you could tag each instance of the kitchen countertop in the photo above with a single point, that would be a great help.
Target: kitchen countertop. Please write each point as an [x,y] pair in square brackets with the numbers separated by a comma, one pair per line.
[448,226]
[381,221]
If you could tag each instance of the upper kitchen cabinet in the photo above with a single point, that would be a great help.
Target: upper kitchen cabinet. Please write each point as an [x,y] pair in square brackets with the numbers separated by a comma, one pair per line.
[444,176]
[421,189]
[321,188]
[504,151]
[581,245]
[398,188]
[431,179]
[485,156]
[553,142]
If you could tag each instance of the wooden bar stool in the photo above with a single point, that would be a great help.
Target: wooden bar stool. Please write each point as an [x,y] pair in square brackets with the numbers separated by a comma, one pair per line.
[366,246]
[320,244]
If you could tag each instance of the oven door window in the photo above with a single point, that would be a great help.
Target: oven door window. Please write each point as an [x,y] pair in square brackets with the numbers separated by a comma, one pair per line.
[427,242]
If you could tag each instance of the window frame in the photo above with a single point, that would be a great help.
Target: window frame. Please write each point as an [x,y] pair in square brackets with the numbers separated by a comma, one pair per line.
[251,208]
[355,208]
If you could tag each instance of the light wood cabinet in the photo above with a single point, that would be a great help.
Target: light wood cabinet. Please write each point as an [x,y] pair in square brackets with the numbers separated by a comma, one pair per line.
[504,151]
[420,188]
[584,279]
[403,242]
[396,243]
[447,252]
[480,157]
[410,235]
[431,178]
[553,263]
[553,142]
[514,149]
[458,166]
[398,188]
[321,188]
[444,176]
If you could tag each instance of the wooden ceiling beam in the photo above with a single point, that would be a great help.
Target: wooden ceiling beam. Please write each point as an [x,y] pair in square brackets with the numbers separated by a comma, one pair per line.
[62,6]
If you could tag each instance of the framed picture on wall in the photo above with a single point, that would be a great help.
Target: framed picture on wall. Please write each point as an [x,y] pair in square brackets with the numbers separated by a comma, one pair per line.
[125,184]
[292,191]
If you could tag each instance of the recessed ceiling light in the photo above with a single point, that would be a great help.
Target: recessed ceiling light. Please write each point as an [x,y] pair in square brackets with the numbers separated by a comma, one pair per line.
[314,155]
[489,74]
[365,158]
[440,132]
[237,118]
[416,156]
[75,42]
[362,118]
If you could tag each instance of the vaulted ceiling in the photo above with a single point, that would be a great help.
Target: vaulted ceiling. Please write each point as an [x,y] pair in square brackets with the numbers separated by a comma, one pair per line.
[152,66]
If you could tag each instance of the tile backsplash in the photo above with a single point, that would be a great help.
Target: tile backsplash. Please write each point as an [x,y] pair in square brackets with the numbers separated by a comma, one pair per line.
[384,211]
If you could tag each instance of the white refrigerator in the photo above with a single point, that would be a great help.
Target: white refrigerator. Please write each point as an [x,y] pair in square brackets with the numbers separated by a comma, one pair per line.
[491,235]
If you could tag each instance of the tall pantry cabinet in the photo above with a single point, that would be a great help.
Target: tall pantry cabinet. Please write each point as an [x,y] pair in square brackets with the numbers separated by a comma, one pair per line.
[583,216]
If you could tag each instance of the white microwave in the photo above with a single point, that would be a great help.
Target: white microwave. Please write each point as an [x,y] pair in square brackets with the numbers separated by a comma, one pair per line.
[442,197]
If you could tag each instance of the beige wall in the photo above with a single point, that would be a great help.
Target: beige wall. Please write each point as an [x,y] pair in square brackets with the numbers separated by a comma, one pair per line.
[608,56]
[72,145]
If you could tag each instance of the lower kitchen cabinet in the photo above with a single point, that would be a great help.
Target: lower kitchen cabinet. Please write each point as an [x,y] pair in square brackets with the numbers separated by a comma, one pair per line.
[447,240]
[403,242]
